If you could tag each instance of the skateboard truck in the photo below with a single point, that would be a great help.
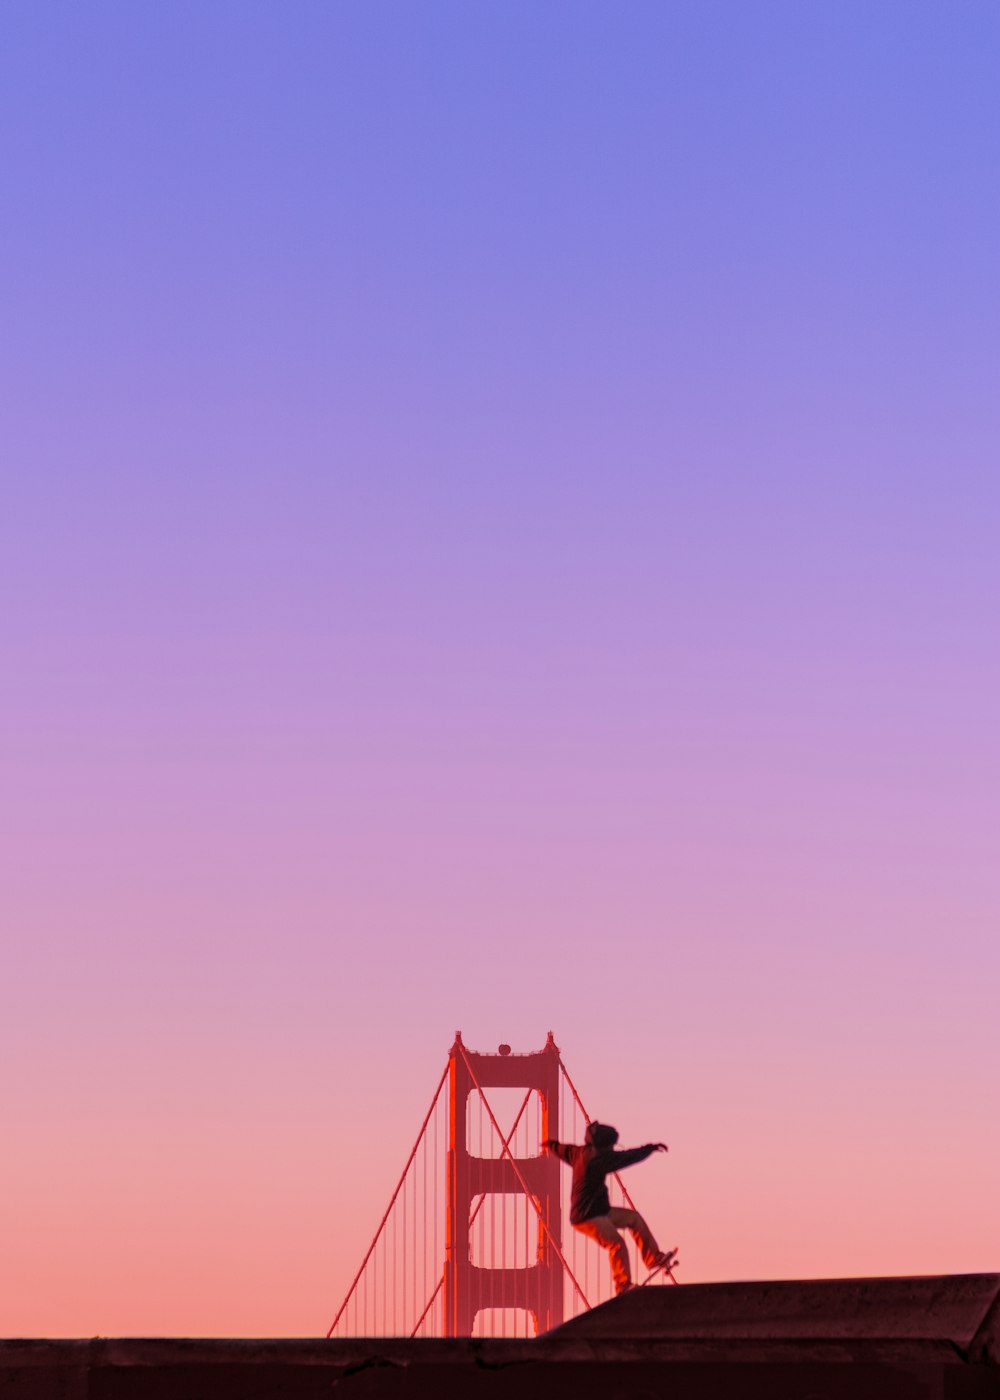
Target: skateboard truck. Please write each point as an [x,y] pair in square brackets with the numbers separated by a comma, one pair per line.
[670,1262]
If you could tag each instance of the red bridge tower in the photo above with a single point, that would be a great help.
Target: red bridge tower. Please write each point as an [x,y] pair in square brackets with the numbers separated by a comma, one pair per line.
[536,1287]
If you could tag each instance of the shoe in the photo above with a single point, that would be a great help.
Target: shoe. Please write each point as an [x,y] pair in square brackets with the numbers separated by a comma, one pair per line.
[664,1259]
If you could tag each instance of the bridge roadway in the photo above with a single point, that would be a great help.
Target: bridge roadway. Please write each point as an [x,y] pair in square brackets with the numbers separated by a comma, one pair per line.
[934,1338]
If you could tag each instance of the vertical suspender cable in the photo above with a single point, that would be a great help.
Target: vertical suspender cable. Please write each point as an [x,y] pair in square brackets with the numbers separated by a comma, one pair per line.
[503,1262]
[439,1242]
[423,1252]
[395,1272]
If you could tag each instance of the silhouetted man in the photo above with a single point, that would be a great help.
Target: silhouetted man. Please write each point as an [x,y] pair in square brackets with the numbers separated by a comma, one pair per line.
[591,1211]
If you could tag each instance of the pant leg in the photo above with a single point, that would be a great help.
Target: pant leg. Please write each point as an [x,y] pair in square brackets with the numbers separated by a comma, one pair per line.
[601,1229]
[631,1220]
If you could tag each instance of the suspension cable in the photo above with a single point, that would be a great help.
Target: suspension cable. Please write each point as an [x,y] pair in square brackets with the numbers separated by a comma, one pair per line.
[623,1187]
[388,1209]
[430,1303]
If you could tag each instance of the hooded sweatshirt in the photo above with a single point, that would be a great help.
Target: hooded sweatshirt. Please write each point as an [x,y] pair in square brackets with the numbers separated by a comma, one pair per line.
[591,1164]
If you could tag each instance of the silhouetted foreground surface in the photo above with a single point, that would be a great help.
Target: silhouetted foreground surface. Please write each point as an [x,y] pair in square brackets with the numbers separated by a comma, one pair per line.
[864,1339]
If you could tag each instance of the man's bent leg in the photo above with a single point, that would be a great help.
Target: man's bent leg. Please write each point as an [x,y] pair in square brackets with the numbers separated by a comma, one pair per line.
[633,1221]
[602,1229]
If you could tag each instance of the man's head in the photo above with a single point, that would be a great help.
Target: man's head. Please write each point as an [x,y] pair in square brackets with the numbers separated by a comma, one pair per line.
[601,1135]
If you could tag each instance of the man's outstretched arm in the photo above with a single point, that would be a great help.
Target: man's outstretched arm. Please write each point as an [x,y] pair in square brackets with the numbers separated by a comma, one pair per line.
[631,1155]
[565,1151]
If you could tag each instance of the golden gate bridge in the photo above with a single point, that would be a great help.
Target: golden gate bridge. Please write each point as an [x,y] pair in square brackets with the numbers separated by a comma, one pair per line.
[472,1240]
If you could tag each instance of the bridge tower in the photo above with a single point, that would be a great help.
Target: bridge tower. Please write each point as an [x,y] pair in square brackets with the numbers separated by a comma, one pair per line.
[536,1286]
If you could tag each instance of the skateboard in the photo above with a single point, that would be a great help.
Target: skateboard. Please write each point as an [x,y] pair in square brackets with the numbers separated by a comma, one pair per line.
[667,1267]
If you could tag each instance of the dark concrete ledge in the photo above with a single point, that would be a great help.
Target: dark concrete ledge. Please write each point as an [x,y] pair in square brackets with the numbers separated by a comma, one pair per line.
[963,1309]
[871,1339]
[162,1369]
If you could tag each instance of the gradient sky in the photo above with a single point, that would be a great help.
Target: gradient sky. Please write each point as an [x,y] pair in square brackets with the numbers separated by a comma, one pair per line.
[499,530]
